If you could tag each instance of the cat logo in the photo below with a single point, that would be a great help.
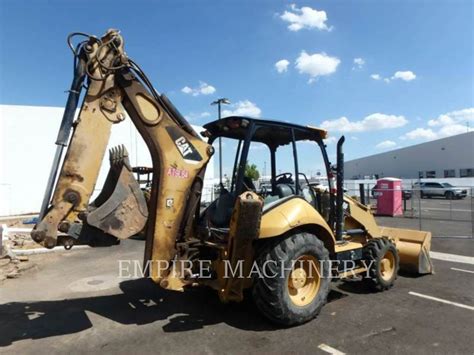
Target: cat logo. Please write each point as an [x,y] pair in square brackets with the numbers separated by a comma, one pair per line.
[183,146]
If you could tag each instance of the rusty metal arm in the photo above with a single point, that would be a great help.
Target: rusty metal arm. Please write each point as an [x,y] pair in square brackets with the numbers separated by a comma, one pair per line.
[179,157]
[87,144]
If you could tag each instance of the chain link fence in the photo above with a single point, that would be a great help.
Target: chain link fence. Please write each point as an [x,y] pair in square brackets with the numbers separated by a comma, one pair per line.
[442,204]
[416,203]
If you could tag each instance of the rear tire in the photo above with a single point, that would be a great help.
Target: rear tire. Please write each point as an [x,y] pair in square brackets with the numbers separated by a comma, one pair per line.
[299,291]
[449,195]
[385,264]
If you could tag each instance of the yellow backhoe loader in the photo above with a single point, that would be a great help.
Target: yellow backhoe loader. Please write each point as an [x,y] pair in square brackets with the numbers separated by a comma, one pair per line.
[285,243]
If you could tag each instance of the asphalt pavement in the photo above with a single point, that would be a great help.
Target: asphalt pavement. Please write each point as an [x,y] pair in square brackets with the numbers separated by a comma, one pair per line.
[74,302]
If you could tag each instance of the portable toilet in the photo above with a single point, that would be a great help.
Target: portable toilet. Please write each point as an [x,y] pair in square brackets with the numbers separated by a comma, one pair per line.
[389,197]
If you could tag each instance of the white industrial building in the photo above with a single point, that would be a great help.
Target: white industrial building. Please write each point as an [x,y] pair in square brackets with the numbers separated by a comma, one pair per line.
[446,158]
[27,136]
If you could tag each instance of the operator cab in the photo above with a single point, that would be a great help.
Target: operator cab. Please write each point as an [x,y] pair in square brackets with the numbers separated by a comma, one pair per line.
[250,138]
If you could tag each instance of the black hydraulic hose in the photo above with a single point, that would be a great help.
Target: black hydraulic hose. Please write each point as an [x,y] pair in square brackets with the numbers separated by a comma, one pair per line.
[65,129]
[72,103]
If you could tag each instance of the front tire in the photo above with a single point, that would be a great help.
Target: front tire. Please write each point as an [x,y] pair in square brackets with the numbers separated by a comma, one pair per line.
[382,256]
[300,289]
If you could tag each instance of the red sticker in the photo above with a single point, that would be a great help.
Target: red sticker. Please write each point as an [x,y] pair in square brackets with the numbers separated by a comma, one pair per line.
[179,173]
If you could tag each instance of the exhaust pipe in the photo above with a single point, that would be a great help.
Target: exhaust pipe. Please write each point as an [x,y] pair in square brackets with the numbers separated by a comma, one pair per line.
[340,189]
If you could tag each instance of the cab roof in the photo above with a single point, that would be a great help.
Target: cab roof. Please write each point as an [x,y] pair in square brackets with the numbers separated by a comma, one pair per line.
[270,132]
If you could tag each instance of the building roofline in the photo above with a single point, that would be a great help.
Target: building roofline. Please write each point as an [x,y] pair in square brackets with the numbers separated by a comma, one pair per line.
[413,146]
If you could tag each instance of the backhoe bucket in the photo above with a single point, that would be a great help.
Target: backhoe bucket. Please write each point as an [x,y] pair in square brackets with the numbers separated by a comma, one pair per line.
[413,248]
[120,209]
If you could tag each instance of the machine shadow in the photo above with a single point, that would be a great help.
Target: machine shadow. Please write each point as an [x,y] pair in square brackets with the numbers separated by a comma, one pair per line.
[141,302]
[355,287]
[363,288]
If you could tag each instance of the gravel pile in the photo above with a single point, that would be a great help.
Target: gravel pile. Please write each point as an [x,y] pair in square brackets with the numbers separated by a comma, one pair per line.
[11,265]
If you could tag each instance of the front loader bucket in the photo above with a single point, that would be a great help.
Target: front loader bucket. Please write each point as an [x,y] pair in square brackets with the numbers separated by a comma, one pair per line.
[413,248]
[120,209]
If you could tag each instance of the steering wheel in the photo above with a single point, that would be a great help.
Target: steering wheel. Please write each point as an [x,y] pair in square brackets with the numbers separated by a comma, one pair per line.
[285,178]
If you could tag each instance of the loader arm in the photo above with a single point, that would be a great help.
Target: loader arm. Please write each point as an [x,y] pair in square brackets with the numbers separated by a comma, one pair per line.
[117,85]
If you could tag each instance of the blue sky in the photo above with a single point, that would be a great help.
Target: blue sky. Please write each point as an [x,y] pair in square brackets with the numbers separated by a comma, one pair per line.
[386,74]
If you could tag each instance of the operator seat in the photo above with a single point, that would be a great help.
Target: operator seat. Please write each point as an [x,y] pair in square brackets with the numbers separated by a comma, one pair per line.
[220,210]
[308,195]
[284,190]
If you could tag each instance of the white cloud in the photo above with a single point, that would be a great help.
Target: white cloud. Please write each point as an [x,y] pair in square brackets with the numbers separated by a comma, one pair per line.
[442,120]
[452,130]
[207,89]
[461,116]
[330,140]
[194,116]
[187,90]
[386,144]
[305,17]
[358,63]
[373,122]
[404,75]
[202,89]
[399,75]
[429,134]
[282,65]
[447,124]
[243,108]
[318,64]
[420,133]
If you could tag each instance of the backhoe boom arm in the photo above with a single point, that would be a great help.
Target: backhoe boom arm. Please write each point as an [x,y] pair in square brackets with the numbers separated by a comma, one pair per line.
[117,86]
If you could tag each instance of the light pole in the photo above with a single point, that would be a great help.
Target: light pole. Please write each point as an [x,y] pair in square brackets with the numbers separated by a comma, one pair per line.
[219,102]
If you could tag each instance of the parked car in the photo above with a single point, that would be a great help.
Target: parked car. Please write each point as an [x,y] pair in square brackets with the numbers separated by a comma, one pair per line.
[439,189]
[406,194]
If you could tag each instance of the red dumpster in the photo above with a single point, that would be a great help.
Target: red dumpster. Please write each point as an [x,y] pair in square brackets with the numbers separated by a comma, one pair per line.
[389,197]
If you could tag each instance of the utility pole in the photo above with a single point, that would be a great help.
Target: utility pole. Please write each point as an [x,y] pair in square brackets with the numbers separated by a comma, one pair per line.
[219,102]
